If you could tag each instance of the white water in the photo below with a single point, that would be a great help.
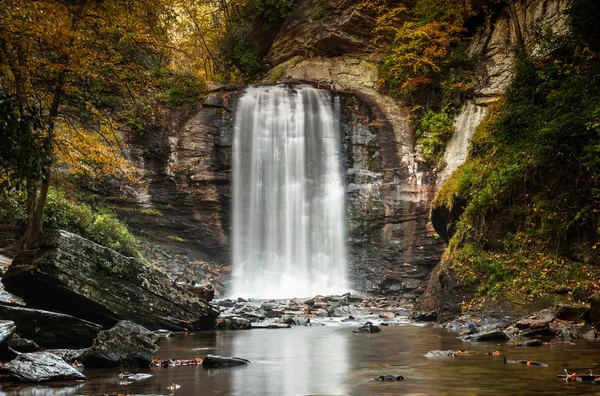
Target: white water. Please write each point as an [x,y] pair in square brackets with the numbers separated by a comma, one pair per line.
[288,196]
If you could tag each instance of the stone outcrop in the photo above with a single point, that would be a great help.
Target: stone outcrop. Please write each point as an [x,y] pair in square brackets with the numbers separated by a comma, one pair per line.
[40,367]
[495,48]
[125,345]
[71,274]
[51,329]
[324,28]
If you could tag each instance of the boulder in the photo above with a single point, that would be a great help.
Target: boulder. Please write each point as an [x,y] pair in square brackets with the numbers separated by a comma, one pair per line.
[51,329]
[367,328]
[23,345]
[495,335]
[536,321]
[233,323]
[213,361]
[125,345]
[68,355]
[74,275]
[39,367]
[7,329]
[570,312]
[206,293]
[595,310]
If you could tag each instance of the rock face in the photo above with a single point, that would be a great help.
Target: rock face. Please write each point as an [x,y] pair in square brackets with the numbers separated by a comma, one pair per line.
[495,49]
[39,367]
[51,329]
[325,28]
[71,274]
[125,345]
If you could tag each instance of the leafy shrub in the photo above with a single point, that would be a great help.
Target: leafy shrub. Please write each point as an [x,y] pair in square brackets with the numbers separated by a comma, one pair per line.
[99,224]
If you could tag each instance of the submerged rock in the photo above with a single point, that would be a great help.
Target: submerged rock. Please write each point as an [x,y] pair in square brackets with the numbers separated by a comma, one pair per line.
[74,275]
[438,353]
[389,378]
[51,329]
[263,325]
[39,367]
[495,335]
[214,361]
[530,343]
[125,345]
[367,328]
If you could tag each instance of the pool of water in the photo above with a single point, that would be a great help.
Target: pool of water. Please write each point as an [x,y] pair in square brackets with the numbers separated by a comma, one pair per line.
[334,361]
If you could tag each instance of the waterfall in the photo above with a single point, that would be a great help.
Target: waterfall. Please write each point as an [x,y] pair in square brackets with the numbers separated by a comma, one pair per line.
[288,196]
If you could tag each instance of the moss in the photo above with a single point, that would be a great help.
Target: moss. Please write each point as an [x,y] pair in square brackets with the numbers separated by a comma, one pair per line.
[63,210]
[372,151]
[530,227]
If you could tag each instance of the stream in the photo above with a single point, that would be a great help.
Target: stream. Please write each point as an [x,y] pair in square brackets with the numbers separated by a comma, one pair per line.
[332,360]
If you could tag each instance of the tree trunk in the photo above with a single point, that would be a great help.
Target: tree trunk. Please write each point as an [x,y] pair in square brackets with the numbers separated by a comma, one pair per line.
[517,27]
[36,197]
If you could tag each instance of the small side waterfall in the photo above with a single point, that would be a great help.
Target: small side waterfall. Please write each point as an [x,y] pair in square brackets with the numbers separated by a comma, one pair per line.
[288,196]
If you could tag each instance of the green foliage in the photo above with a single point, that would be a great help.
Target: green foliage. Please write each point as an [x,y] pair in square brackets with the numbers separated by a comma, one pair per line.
[181,89]
[434,131]
[531,186]
[427,57]
[25,151]
[249,37]
[583,17]
[97,223]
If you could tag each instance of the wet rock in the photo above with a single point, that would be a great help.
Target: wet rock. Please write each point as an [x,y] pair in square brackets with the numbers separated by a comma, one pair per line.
[39,367]
[438,353]
[590,335]
[263,325]
[389,378]
[69,273]
[570,312]
[135,377]
[68,355]
[233,323]
[206,293]
[22,345]
[125,345]
[496,335]
[537,320]
[7,329]
[387,315]
[51,329]
[530,343]
[214,361]
[423,316]
[367,328]
[543,331]
[526,362]
[595,310]
[225,303]
[242,300]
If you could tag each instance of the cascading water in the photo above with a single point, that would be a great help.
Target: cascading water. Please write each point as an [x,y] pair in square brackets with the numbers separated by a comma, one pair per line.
[288,196]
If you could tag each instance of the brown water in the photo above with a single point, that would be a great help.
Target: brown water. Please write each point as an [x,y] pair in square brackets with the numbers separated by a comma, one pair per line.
[332,360]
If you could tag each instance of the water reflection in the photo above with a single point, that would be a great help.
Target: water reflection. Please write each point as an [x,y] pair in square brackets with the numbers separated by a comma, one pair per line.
[307,361]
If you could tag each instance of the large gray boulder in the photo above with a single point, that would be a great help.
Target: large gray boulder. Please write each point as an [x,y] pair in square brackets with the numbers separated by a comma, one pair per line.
[51,329]
[125,345]
[74,275]
[39,367]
